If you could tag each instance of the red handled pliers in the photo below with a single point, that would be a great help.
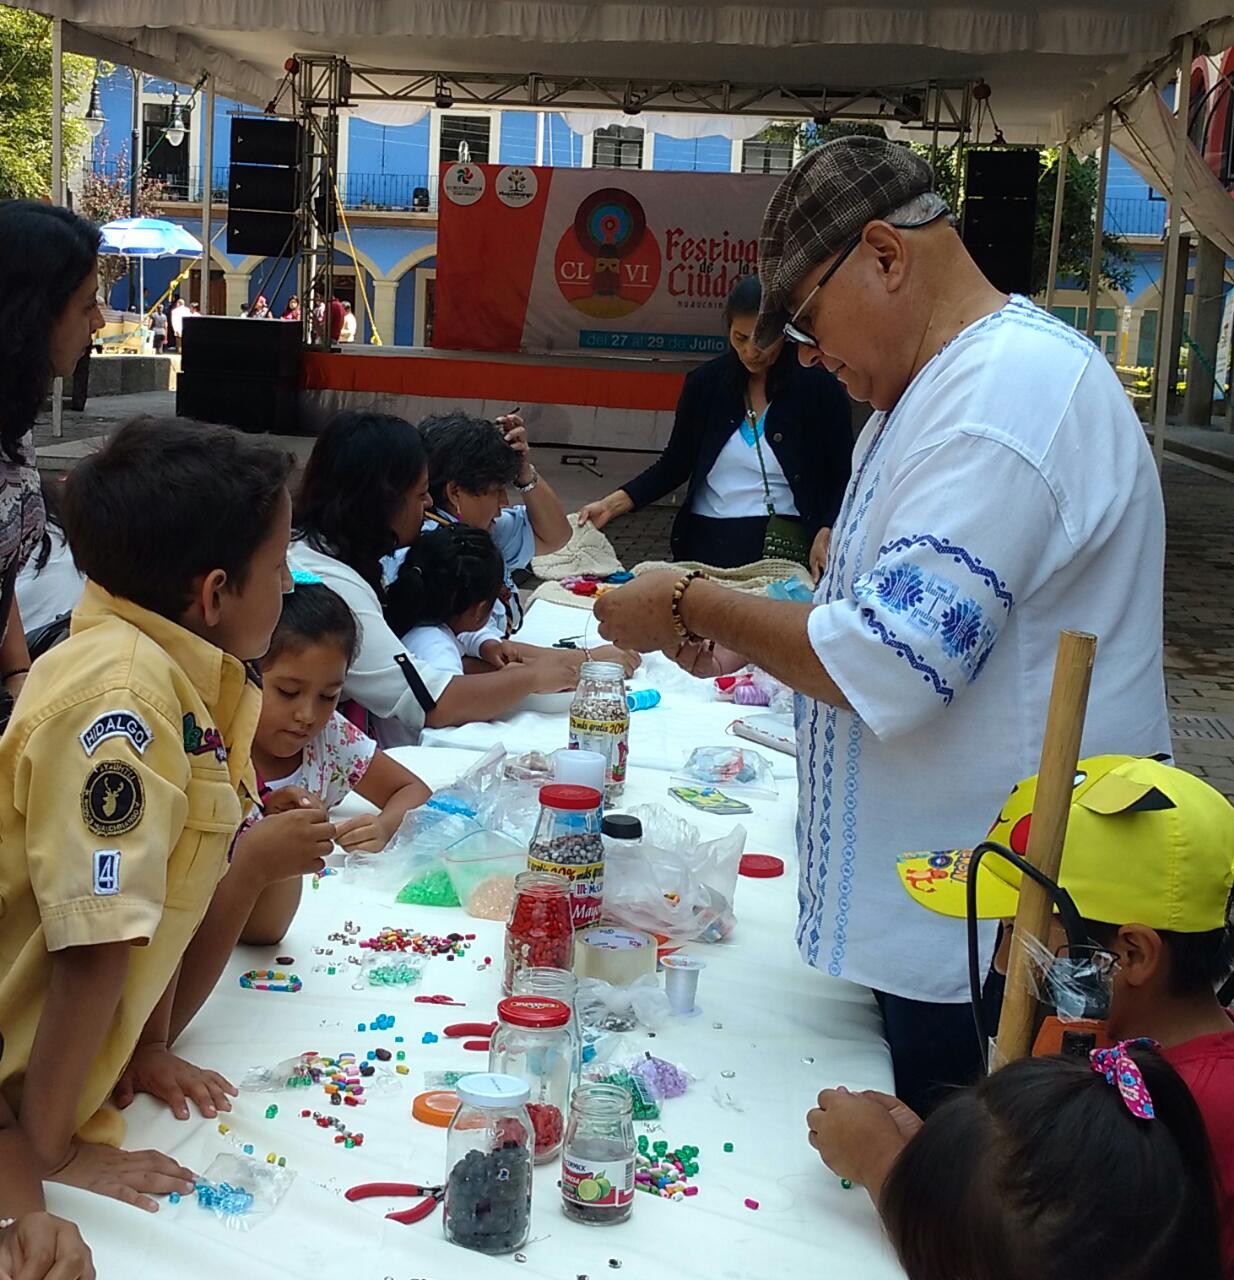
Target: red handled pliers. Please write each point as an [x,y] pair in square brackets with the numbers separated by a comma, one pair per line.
[439,1000]
[417,1213]
[457,1030]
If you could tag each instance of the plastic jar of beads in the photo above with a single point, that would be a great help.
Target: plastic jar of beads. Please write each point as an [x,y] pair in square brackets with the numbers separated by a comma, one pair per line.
[597,1163]
[540,931]
[600,721]
[488,1165]
[533,1043]
[556,984]
[567,842]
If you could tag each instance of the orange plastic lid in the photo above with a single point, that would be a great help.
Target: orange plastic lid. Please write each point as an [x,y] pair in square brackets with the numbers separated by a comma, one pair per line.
[437,1107]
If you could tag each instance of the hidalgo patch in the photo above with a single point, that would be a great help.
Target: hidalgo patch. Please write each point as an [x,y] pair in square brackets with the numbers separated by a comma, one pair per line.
[112,799]
[117,724]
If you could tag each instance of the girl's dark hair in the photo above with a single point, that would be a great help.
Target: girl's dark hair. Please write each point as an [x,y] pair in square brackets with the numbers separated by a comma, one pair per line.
[355,483]
[446,571]
[1041,1170]
[51,490]
[744,299]
[469,452]
[45,254]
[313,613]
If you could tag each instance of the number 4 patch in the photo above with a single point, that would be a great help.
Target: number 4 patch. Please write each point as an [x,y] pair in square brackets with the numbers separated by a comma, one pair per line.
[106,871]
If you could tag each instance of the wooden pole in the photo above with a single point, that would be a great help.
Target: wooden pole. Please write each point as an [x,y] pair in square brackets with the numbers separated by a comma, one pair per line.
[1060,750]
[1056,227]
[1094,265]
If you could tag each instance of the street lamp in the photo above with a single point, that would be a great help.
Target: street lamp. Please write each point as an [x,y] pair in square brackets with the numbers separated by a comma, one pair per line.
[95,119]
[175,121]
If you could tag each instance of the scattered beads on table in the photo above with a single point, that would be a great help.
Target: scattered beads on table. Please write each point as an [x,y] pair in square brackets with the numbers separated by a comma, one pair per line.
[751,1203]
[423,944]
[728,1146]
[233,1201]
[271,1111]
[285,960]
[665,1174]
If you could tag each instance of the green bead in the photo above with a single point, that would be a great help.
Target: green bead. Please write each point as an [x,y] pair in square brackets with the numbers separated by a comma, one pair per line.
[846,1184]
[282,1162]
[271,1111]
[728,1146]
[331,969]
[400,1056]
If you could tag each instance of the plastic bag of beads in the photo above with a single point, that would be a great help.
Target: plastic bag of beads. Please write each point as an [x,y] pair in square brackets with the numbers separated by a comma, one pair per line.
[733,769]
[664,1080]
[291,1073]
[602,1006]
[241,1190]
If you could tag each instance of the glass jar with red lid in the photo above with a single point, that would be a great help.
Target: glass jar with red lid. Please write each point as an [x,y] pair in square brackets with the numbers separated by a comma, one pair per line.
[533,1043]
[540,932]
[568,842]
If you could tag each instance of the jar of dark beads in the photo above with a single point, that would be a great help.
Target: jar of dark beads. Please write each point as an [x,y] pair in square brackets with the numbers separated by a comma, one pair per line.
[540,931]
[488,1165]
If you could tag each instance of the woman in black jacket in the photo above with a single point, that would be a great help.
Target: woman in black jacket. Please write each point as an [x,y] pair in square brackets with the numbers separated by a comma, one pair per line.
[752,428]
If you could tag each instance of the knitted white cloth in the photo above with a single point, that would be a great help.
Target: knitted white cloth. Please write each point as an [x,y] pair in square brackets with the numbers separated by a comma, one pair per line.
[588,551]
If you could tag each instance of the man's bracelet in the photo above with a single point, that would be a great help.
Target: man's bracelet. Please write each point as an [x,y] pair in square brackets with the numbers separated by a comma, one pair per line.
[531,484]
[679,594]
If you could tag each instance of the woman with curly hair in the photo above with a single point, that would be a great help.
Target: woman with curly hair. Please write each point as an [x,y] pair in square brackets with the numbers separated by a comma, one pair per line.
[48,311]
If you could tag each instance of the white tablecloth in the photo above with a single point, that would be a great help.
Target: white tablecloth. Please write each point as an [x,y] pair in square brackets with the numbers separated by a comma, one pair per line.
[784,1031]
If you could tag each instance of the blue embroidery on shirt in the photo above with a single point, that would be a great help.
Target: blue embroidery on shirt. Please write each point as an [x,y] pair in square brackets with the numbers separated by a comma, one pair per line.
[900,588]
[848,848]
[892,641]
[961,628]
[959,555]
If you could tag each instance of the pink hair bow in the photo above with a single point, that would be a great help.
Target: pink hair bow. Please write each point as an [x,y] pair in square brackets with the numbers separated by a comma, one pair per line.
[1121,1070]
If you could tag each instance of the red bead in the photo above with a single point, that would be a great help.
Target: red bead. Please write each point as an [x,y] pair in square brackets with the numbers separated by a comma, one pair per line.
[547,1124]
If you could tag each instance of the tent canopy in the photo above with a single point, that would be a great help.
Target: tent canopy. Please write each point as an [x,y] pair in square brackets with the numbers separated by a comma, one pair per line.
[1051,67]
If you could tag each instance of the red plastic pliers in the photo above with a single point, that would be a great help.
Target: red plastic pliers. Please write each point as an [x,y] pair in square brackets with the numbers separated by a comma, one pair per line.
[457,1030]
[417,1213]
[439,1000]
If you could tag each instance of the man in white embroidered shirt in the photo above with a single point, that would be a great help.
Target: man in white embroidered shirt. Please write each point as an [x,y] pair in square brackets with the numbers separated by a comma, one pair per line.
[1003,491]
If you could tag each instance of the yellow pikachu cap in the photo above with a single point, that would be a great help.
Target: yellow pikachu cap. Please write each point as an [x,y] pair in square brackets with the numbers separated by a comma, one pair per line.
[1146,843]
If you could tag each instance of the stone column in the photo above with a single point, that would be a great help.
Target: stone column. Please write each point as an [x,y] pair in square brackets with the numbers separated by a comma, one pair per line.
[383,310]
[1204,330]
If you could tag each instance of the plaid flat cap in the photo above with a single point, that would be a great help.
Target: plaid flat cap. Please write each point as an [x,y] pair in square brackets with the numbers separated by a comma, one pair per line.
[825,201]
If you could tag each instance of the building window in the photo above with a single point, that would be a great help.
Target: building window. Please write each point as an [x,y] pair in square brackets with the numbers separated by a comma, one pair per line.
[426,298]
[618,146]
[164,163]
[766,157]
[465,138]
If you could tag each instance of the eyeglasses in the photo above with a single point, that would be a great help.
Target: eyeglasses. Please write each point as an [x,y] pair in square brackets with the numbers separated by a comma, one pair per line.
[791,331]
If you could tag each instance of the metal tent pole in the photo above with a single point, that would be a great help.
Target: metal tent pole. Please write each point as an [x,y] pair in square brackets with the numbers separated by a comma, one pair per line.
[1169,334]
[207,192]
[1056,231]
[1094,265]
[57,181]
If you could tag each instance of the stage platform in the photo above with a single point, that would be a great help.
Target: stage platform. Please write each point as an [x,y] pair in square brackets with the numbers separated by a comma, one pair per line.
[611,402]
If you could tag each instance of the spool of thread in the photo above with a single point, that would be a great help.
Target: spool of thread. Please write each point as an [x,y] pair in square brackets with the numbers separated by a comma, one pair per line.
[614,955]
[641,699]
[580,768]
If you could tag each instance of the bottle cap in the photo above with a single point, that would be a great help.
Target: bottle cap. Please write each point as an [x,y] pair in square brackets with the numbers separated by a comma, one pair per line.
[761,866]
[491,1090]
[565,795]
[622,826]
[536,1012]
[437,1107]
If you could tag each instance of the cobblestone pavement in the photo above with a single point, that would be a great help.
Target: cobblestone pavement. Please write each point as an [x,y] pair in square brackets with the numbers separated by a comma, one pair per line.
[1199,606]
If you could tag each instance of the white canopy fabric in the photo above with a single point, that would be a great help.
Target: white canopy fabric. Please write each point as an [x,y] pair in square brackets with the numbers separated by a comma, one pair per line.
[1144,133]
[1051,67]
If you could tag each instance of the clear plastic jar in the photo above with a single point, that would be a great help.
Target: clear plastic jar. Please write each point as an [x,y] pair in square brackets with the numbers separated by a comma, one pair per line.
[597,1162]
[567,842]
[488,1165]
[600,721]
[533,1043]
[556,984]
[540,931]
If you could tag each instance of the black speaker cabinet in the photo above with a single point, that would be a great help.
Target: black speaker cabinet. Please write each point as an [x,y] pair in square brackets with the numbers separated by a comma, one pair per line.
[268,235]
[264,188]
[1000,214]
[250,402]
[222,345]
[265,140]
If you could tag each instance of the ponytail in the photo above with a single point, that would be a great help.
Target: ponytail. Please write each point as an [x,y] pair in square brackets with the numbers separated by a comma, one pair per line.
[446,572]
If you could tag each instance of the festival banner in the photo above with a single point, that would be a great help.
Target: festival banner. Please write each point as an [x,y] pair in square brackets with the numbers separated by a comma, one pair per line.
[594,260]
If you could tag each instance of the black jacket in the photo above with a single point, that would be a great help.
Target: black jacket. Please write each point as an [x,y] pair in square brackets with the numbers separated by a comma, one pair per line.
[809,429]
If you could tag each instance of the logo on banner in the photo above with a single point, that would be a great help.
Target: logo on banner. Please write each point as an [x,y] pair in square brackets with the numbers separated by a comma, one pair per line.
[516,187]
[463,183]
[608,262]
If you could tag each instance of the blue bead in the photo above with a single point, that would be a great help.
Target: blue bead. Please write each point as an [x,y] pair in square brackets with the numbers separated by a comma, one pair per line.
[359,1026]
[398,1039]
[248,1151]
[174,1198]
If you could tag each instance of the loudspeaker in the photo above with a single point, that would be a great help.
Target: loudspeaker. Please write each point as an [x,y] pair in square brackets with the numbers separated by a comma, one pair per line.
[267,235]
[264,188]
[250,402]
[265,140]
[1000,215]
[242,373]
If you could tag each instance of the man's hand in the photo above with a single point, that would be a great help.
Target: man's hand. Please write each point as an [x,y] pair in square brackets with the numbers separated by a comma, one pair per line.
[515,433]
[155,1070]
[818,553]
[40,1246]
[500,653]
[860,1136]
[282,846]
[639,616]
[363,834]
[131,1176]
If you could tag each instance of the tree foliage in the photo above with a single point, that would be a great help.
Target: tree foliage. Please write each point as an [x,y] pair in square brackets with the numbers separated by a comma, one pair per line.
[1079,199]
[106,196]
[25,104]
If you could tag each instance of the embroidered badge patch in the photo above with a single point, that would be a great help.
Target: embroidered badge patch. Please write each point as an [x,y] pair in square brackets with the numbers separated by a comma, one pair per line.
[112,799]
[201,742]
[117,724]
[106,871]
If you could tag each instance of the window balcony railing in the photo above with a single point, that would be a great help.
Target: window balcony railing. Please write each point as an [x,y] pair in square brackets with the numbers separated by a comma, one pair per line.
[1131,217]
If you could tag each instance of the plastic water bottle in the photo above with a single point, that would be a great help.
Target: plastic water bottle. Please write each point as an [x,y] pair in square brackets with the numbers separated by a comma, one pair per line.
[641,699]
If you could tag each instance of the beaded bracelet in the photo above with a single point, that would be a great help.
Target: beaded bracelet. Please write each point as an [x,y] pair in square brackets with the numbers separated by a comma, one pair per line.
[679,592]
[270,980]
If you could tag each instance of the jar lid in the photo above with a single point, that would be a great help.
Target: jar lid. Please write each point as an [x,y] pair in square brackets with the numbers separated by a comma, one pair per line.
[491,1090]
[761,866]
[566,795]
[437,1107]
[622,826]
[537,1012]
